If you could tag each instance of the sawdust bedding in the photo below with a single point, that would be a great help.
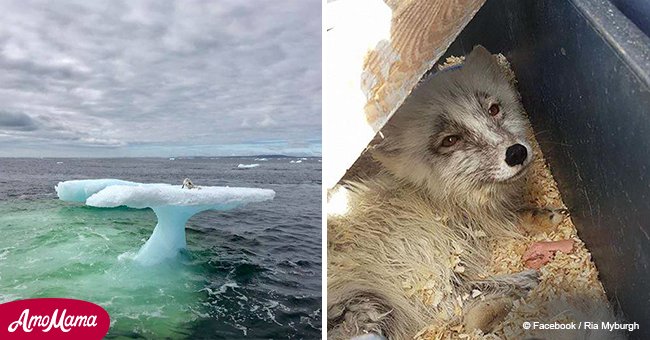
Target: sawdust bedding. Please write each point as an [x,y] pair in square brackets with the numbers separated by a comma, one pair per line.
[566,275]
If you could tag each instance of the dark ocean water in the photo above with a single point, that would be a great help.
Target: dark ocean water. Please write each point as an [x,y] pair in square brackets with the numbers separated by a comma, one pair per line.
[253,272]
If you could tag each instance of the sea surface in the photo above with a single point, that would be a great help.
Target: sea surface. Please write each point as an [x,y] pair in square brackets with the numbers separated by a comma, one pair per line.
[253,272]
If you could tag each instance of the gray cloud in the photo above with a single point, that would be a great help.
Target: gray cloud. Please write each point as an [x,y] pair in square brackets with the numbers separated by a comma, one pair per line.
[16,121]
[158,77]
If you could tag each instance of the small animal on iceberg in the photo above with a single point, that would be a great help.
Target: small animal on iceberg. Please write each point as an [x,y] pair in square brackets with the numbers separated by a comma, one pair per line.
[187,183]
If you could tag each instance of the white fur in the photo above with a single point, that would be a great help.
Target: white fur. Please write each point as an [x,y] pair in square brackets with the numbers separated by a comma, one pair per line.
[428,205]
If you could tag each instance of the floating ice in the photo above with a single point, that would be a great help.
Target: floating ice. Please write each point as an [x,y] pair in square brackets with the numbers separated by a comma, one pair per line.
[80,190]
[298,161]
[261,159]
[247,166]
[172,204]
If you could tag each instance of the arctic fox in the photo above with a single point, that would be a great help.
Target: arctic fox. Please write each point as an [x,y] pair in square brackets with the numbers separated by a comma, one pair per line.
[187,183]
[451,162]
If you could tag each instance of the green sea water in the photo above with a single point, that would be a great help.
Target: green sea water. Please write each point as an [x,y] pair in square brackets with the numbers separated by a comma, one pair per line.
[52,249]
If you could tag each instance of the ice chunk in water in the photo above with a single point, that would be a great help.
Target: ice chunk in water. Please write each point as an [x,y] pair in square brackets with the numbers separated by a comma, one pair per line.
[172,204]
[80,190]
[247,166]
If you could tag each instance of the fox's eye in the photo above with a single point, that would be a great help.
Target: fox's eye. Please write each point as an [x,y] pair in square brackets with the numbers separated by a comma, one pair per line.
[450,141]
[494,109]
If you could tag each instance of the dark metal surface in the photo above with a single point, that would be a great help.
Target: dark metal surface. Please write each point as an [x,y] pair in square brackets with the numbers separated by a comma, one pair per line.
[638,11]
[584,76]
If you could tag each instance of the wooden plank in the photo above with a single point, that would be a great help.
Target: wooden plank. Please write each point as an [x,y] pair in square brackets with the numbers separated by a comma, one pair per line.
[375,53]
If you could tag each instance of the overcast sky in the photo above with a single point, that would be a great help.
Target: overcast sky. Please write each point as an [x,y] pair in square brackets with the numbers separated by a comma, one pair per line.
[160,78]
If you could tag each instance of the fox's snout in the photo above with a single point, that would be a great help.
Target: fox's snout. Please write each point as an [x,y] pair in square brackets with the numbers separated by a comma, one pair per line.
[516,155]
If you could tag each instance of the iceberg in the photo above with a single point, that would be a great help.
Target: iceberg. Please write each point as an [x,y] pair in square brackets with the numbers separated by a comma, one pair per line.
[172,205]
[80,190]
[247,166]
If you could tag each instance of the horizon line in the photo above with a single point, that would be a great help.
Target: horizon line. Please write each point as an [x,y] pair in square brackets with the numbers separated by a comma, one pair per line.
[181,157]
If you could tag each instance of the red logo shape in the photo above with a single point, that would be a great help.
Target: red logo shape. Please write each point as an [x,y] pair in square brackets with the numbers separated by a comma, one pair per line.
[53,318]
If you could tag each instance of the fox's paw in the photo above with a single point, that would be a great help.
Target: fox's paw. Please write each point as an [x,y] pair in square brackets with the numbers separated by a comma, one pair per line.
[487,314]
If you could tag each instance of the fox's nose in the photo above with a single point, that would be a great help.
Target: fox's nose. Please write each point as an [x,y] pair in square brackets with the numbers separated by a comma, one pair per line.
[516,154]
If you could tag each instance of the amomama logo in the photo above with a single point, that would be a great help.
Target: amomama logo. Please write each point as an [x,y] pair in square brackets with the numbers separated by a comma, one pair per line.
[52,318]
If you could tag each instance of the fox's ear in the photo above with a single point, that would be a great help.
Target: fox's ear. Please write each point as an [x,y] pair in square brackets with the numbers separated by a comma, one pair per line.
[481,60]
[480,56]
